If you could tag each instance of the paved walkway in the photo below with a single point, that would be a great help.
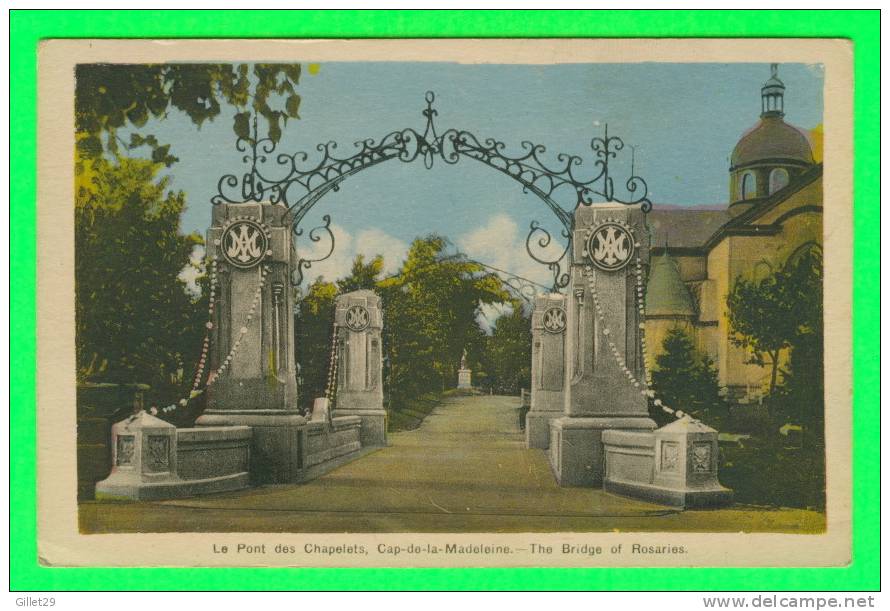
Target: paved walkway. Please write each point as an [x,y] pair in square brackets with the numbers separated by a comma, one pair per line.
[465,469]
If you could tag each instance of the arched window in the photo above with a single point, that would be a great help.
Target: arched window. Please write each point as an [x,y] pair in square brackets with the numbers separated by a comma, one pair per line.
[749,185]
[778,178]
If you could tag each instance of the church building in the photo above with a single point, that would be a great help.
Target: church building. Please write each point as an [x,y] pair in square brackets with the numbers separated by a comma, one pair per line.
[774,213]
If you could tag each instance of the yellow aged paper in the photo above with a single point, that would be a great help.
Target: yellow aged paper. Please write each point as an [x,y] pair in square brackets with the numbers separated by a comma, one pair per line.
[351,516]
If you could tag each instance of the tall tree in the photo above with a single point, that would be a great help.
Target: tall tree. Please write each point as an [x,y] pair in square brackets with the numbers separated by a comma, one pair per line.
[508,350]
[314,328]
[802,392]
[362,275]
[430,315]
[135,321]
[767,315]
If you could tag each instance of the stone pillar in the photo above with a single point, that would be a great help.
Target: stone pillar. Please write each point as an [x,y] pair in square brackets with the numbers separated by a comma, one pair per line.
[252,364]
[359,320]
[604,363]
[548,368]
[143,459]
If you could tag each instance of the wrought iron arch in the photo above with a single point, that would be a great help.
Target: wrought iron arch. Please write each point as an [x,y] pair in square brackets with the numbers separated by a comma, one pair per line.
[299,183]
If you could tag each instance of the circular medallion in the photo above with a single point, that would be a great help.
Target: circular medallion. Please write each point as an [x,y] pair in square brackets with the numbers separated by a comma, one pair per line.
[554,320]
[358,318]
[610,246]
[244,243]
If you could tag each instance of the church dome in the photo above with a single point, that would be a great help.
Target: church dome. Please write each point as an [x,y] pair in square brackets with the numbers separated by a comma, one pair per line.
[772,140]
[770,155]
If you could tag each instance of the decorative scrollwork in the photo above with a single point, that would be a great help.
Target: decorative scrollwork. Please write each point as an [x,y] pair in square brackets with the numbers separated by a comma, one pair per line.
[317,234]
[299,180]
[538,242]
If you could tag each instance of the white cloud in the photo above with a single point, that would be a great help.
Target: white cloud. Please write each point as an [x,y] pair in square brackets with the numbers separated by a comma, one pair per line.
[368,242]
[500,243]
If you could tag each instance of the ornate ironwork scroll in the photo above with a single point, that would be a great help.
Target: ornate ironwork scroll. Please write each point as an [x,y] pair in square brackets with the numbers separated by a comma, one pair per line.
[299,180]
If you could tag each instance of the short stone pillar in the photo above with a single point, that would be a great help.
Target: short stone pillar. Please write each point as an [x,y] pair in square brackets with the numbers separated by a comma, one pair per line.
[143,459]
[674,465]
[252,364]
[359,321]
[686,453]
[603,386]
[548,368]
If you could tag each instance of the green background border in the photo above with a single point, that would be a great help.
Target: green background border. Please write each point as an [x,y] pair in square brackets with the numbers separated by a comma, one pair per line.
[29,27]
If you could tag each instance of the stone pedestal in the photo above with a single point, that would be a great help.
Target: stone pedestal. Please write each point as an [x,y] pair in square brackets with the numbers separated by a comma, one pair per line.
[675,465]
[143,459]
[252,364]
[548,368]
[359,321]
[465,379]
[603,384]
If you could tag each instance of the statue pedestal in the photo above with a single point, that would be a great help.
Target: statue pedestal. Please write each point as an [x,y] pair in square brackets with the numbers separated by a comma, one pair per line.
[465,379]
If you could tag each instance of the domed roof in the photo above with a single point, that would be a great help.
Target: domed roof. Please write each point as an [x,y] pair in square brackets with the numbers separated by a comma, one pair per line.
[772,138]
[666,295]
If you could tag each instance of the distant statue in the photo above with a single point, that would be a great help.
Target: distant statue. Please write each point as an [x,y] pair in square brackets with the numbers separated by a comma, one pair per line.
[464,375]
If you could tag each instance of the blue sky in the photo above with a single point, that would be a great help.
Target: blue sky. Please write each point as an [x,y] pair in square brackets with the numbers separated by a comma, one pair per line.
[683,119]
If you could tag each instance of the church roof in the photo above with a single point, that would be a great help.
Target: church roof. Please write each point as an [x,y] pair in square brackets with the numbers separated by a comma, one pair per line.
[684,228]
[772,139]
[666,295]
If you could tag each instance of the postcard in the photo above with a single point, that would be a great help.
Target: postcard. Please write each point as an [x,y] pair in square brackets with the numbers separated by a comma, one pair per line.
[445,303]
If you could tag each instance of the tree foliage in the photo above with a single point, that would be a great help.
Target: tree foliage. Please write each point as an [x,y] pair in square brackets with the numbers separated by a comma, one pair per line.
[362,275]
[801,395]
[111,96]
[686,379]
[430,316]
[135,321]
[769,314]
[507,358]
[314,327]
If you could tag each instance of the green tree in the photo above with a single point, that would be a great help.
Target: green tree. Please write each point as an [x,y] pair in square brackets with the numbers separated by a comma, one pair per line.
[686,380]
[769,314]
[135,321]
[430,311]
[801,395]
[362,275]
[507,358]
[762,320]
[109,97]
[314,326]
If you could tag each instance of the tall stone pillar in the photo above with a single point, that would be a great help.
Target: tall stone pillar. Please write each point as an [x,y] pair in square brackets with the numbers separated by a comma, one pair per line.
[548,368]
[359,320]
[604,365]
[252,379]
